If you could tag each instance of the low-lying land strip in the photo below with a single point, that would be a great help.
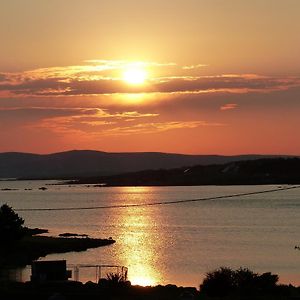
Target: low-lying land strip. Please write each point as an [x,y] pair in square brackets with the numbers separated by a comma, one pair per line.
[31,248]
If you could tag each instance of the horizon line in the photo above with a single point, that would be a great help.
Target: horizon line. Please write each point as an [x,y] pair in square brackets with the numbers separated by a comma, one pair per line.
[137,152]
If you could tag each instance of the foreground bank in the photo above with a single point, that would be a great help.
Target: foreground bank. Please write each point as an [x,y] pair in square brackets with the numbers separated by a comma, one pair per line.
[122,290]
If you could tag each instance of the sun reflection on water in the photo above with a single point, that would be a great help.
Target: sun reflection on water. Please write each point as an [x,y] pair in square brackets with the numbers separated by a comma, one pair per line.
[143,280]
[137,189]
[139,243]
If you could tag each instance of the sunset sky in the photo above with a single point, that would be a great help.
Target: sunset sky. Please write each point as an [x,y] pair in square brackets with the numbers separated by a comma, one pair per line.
[181,76]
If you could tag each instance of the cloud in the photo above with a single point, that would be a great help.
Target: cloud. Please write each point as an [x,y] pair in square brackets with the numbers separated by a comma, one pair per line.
[134,114]
[228,83]
[104,78]
[90,121]
[146,128]
[45,112]
[54,87]
[3,77]
[117,64]
[64,118]
[194,67]
[229,106]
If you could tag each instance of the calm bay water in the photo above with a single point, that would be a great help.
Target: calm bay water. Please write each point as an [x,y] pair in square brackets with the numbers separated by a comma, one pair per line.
[175,243]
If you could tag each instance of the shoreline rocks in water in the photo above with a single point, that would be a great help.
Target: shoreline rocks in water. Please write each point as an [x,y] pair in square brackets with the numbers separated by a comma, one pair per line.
[68,234]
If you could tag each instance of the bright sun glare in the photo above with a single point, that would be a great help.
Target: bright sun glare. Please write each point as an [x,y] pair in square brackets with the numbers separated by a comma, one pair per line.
[135,75]
[143,281]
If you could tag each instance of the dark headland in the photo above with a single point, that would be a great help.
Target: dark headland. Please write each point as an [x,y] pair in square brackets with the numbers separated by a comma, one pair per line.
[87,163]
[31,248]
[248,172]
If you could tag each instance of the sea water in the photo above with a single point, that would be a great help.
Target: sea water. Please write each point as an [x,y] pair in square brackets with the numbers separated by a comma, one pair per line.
[175,243]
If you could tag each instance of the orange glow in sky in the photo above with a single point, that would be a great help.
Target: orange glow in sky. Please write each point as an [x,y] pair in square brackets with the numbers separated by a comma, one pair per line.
[195,77]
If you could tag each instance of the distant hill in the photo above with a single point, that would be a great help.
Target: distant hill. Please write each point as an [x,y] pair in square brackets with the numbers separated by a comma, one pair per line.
[86,163]
[260,171]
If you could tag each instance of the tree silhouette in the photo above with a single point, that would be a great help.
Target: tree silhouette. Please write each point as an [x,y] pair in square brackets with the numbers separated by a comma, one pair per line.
[218,283]
[225,281]
[11,225]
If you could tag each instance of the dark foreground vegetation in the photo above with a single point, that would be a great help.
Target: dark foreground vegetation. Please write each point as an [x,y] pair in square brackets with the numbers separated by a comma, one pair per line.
[260,171]
[21,245]
[245,284]
[90,291]
[224,283]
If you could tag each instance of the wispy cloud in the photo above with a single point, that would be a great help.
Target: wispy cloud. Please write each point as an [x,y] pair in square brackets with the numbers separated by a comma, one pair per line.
[229,106]
[64,118]
[146,128]
[3,77]
[92,121]
[116,64]
[191,67]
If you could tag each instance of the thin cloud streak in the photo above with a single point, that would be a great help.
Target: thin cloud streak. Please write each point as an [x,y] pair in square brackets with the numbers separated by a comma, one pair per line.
[74,112]
[194,67]
[147,128]
[92,121]
[229,106]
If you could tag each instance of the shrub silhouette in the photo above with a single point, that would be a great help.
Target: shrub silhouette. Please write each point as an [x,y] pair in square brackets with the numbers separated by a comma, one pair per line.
[225,281]
[116,278]
[11,225]
[218,282]
[245,280]
[115,281]
[267,281]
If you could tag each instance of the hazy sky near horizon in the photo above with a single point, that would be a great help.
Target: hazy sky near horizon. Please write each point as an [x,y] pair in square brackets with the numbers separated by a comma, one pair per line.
[185,76]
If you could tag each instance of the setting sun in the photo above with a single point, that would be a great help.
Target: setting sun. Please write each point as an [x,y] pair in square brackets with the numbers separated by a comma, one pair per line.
[135,75]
